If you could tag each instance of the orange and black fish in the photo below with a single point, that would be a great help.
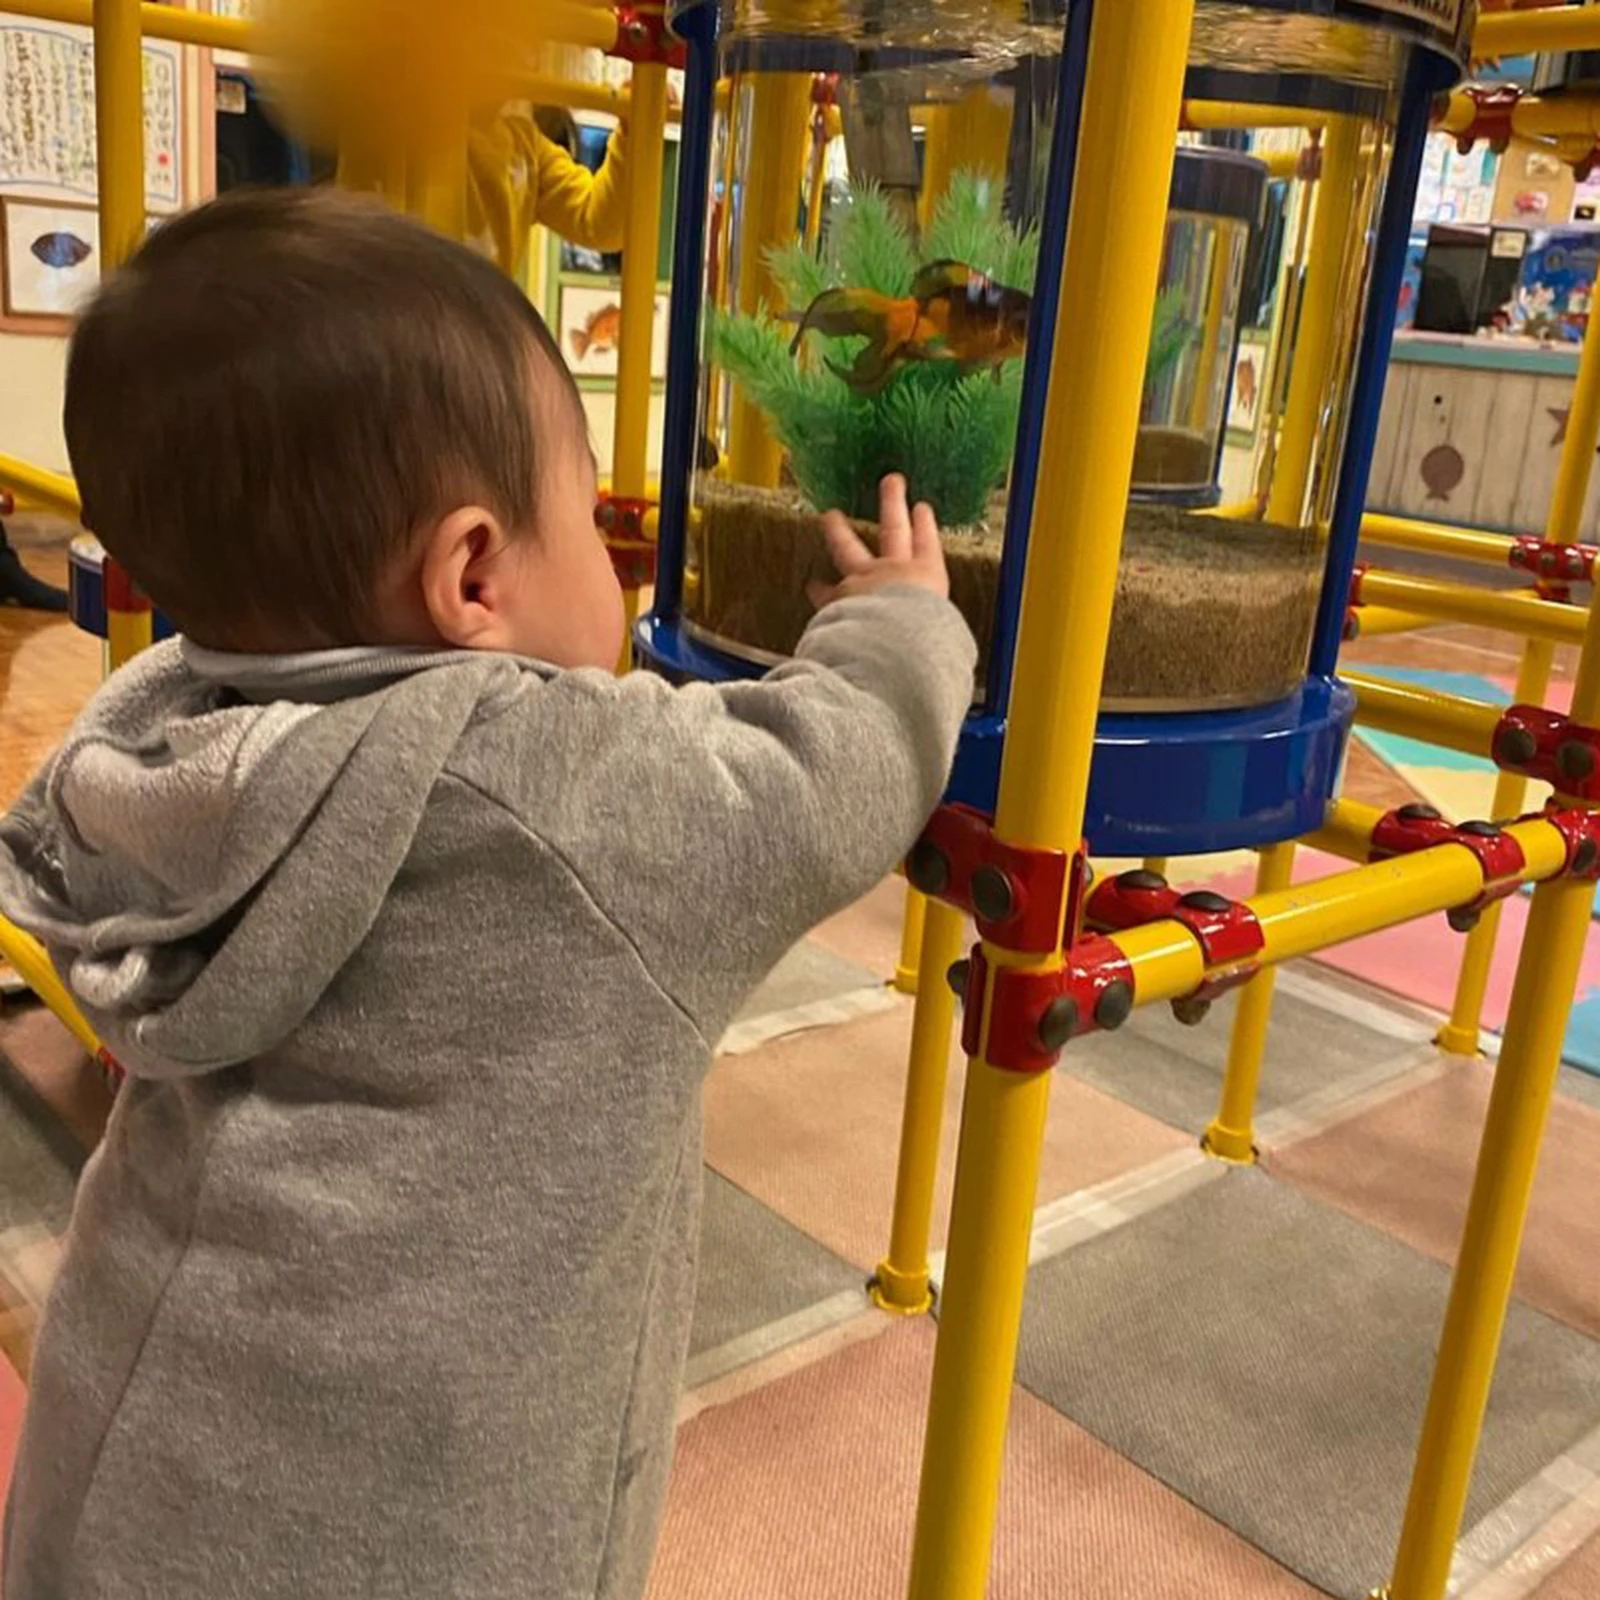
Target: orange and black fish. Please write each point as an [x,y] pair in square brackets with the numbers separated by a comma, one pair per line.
[952,313]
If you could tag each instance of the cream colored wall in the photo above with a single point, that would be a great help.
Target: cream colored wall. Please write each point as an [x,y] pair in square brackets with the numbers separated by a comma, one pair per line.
[31,373]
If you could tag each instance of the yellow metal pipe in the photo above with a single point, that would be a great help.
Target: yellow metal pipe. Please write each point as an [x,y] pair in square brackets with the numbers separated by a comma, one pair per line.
[635,337]
[592,27]
[1511,610]
[1437,539]
[1231,1135]
[156,22]
[971,135]
[1204,116]
[119,158]
[1307,917]
[27,956]
[1156,864]
[52,490]
[901,1283]
[911,936]
[773,117]
[1519,33]
[1374,622]
[1132,98]
[1414,713]
[1525,1078]
[1322,332]
[1460,1034]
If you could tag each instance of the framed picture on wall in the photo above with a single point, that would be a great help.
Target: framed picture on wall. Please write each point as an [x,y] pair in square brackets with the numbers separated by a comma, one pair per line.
[589,323]
[51,261]
[1249,385]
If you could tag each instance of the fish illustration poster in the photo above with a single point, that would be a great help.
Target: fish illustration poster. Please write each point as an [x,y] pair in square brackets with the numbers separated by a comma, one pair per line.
[52,257]
[47,115]
[590,323]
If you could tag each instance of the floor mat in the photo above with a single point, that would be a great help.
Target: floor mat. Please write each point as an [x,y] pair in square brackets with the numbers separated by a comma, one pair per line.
[1406,1165]
[807,1489]
[1268,1358]
[755,1269]
[1174,1073]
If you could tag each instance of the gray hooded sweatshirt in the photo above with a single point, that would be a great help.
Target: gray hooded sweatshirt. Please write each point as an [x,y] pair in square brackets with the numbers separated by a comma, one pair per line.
[380,1284]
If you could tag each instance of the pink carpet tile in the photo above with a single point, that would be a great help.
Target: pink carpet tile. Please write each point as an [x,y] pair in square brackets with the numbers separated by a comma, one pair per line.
[808,1488]
[810,1126]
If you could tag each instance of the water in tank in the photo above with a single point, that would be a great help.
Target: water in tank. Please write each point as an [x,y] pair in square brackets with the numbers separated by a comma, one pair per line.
[878,179]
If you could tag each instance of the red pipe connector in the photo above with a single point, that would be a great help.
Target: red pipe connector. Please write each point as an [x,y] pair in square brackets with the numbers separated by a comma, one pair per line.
[1551,748]
[644,38]
[1557,565]
[621,519]
[1033,1015]
[1420,827]
[1021,899]
[1581,831]
[1227,931]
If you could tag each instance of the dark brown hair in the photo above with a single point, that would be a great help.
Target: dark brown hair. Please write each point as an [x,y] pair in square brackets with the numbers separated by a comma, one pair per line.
[272,399]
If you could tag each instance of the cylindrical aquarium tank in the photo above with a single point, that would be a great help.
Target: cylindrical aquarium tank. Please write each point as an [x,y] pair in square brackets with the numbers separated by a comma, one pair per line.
[873,209]
[1218,199]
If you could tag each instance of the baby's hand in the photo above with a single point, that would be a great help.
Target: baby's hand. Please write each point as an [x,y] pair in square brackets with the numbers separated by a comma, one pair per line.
[908,549]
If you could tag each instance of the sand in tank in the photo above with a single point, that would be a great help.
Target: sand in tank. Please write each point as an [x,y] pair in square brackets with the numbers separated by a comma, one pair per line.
[1210,612]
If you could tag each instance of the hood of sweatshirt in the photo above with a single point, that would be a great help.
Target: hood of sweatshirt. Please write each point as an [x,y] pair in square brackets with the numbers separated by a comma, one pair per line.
[218,833]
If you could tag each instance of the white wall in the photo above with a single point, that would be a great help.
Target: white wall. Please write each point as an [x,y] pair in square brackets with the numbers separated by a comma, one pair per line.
[32,371]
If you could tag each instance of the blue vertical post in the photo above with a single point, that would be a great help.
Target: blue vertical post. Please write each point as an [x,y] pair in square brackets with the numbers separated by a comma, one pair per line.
[1372,366]
[697,26]
[1041,336]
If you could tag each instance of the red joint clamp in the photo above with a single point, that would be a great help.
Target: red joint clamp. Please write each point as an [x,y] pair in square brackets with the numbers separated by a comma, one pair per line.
[644,38]
[1580,829]
[1420,827]
[1555,564]
[121,592]
[1357,573]
[1033,1015]
[621,519]
[110,1069]
[1550,747]
[825,90]
[1228,931]
[7,503]
[1021,899]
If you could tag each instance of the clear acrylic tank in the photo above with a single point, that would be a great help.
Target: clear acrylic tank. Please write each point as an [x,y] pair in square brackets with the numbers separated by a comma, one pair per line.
[1214,235]
[878,229]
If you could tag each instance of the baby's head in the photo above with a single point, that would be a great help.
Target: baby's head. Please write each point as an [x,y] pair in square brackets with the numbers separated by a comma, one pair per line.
[301,421]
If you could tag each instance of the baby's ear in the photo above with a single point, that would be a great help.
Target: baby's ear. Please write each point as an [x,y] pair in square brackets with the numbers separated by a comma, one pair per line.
[452,577]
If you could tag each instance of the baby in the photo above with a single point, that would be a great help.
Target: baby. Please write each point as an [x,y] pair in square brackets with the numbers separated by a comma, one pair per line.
[414,930]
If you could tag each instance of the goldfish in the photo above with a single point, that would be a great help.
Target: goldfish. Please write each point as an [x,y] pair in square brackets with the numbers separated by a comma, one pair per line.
[599,333]
[952,313]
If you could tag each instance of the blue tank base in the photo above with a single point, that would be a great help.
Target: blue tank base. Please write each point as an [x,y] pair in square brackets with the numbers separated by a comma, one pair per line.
[1181,784]
[86,592]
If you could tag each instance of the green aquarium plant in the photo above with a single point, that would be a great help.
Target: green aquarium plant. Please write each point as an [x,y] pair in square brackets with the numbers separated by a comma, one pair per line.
[951,430]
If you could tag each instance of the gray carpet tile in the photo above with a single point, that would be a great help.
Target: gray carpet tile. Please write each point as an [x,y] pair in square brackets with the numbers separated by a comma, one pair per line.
[755,1269]
[1174,1073]
[1269,1358]
[807,974]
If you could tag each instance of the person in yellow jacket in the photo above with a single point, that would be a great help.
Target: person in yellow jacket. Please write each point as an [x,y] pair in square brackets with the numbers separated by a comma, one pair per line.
[519,175]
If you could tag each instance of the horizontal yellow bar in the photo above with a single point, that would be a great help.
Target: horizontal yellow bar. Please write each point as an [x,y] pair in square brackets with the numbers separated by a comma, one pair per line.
[1413,713]
[544,89]
[1283,163]
[1567,116]
[1517,611]
[155,22]
[32,965]
[1204,115]
[571,22]
[1373,622]
[1437,539]
[52,490]
[1521,33]
[1308,917]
